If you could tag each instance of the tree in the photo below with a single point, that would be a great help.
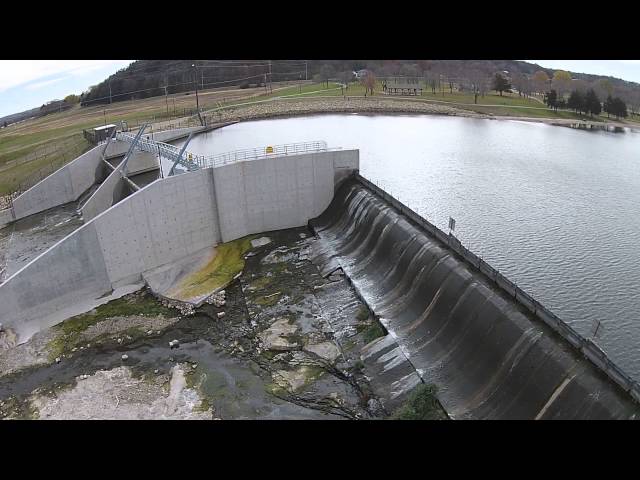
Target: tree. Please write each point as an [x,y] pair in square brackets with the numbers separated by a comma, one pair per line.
[500,84]
[551,99]
[576,101]
[540,81]
[608,105]
[345,77]
[326,72]
[561,82]
[519,82]
[369,82]
[619,108]
[71,99]
[592,103]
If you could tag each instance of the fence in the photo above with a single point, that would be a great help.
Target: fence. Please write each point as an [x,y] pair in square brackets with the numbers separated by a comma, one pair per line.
[54,156]
[255,153]
[194,162]
[589,349]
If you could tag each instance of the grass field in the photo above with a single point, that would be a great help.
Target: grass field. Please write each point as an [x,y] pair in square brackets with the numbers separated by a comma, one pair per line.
[32,148]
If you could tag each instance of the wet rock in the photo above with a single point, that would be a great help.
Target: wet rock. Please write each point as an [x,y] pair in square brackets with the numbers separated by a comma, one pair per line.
[217,299]
[327,350]
[259,242]
[174,344]
[58,359]
[274,337]
[220,314]
[125,356]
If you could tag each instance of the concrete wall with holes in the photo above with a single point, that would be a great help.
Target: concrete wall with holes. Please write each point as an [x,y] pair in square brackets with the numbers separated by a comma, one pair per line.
[167,221]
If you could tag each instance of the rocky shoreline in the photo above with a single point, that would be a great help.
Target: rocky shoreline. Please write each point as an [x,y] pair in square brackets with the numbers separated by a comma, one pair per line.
[290,108]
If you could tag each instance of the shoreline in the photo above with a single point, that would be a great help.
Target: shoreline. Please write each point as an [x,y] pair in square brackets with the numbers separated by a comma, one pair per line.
[289,108]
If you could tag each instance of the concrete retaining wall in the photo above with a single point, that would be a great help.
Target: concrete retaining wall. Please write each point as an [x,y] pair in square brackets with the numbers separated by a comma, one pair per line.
[69,182]
[156,225]
[164,222]
[277,193]
[110,192]
[63,186]
[6,216]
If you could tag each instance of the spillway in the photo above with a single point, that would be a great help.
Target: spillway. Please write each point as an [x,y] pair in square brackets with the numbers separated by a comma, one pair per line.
[489,356]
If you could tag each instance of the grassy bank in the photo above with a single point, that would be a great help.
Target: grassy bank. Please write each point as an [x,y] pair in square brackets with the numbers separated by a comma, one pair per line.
[29,150]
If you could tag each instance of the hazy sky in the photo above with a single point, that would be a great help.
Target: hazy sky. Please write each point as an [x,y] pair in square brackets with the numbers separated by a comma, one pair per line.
[624,69]
[26,84]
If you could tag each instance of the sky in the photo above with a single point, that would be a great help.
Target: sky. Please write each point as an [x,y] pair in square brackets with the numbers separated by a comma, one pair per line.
[26,84]
[625,69]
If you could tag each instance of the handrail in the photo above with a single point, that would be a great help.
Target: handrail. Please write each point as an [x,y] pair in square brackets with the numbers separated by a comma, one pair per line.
[195,162]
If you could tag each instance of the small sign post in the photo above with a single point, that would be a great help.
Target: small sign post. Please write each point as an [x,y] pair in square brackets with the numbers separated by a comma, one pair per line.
[596,329]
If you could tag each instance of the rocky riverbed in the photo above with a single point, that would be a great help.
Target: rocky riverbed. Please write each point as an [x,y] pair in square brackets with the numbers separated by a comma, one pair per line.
[280,342]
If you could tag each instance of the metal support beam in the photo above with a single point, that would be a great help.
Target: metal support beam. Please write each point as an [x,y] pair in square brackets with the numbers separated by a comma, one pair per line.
[184,147]
[104,151]
[123,165]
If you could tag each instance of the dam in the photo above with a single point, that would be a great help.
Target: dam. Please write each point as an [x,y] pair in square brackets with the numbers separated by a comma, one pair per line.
[491,350]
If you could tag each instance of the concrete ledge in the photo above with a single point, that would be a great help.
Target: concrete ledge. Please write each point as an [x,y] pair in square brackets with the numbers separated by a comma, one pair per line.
[6,217]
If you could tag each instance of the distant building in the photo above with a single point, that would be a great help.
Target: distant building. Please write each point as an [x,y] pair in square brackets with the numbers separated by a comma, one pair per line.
[402,85]
[103,132]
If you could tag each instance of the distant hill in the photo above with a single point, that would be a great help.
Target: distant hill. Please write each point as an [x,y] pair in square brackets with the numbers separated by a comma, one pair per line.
[18,117]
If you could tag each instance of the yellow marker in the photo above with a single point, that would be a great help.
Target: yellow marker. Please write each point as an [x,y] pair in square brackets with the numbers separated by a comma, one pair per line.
[269,149]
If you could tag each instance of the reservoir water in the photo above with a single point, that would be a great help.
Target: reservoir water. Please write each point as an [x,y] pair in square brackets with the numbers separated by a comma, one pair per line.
[553,208]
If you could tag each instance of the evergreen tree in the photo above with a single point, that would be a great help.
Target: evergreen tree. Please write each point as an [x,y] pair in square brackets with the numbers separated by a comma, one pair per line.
[619,108]
[592,103]
[500,84]
[576,101]
[608,105]
[551,99]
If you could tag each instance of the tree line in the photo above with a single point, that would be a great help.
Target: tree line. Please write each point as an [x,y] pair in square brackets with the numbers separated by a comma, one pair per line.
[587,103]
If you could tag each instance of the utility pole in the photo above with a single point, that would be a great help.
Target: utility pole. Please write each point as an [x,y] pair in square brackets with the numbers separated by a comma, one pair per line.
[166,100]
[197,100]
[305,70]
[202,79]
[109,91]
[270,81]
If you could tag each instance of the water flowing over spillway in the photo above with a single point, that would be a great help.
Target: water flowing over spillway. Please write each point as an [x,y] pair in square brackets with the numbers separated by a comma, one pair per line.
[488,356]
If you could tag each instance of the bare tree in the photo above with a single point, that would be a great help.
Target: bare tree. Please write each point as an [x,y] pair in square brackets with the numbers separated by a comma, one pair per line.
[540,82]
[369,82]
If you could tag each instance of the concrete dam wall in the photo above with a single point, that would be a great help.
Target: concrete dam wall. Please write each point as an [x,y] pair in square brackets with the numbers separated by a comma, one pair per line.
[488,355]
[166,221]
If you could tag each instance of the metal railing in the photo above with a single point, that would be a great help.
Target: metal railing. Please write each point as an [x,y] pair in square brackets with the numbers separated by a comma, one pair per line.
[264,152]
[164,150]
[193,162]
[584,345]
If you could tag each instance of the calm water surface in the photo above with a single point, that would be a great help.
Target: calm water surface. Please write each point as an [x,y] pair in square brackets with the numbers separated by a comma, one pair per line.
[554,209]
